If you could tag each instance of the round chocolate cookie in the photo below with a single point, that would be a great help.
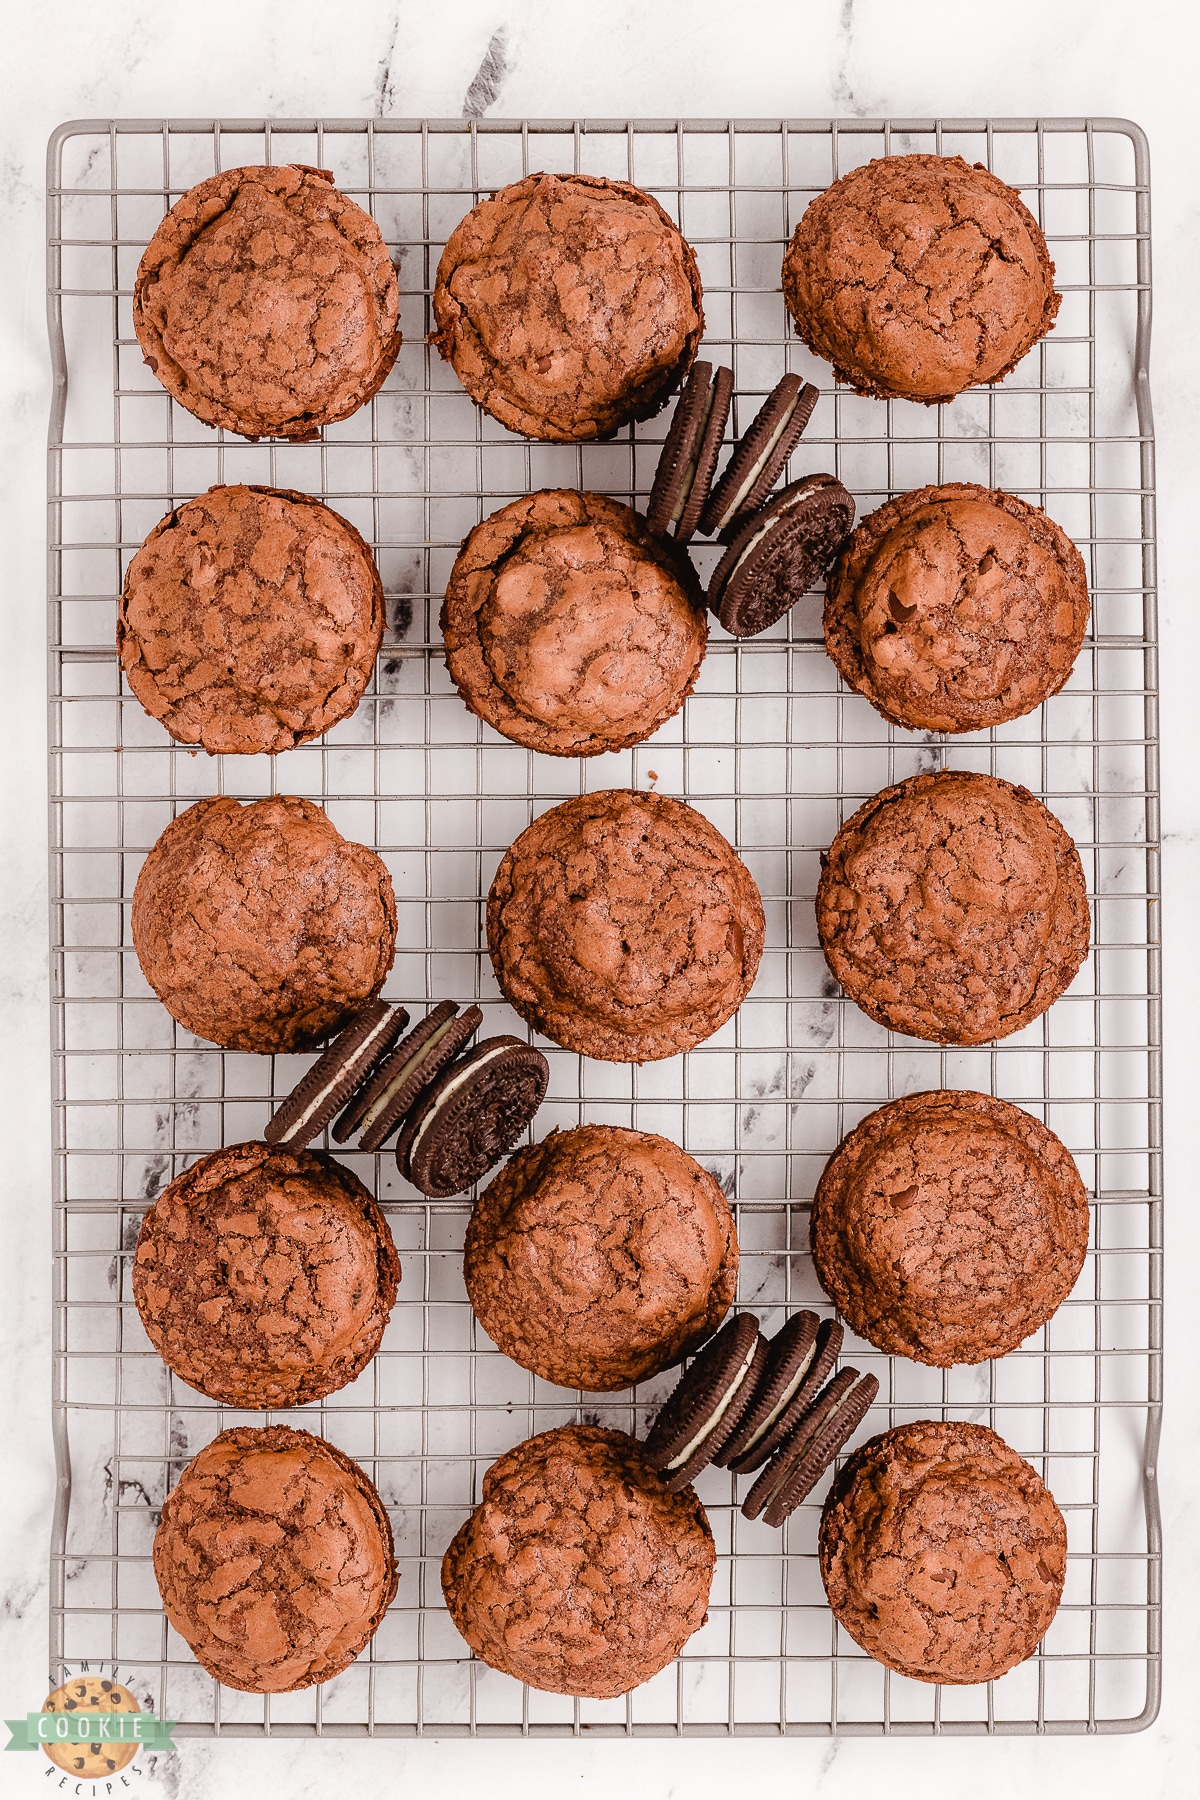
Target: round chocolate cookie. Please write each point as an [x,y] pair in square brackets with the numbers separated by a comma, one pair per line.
[264,1277]
[570,627]
[957,607]
[624,926]
[250,620]
[568,305]
[777,554]
[953,907]
[260,927]
[919,276]
[274,1559]
[949,1227]
[578,1572]
[472,1114]
[600,1255]
[942,1552]
[267,302]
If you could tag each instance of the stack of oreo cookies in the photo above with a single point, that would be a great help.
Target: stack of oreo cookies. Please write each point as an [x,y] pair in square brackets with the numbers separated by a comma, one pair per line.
[457,1111]
[752,1403]
[776,548]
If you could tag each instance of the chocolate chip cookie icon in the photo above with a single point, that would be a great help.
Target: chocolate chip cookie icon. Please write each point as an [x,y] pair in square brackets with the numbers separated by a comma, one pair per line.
[91,1694]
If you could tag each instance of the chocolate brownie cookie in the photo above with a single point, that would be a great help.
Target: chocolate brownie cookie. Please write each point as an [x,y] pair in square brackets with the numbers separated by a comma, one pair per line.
[579,1573]
[261,927]
[942,1552]
[570,627]
[919,276]
[953,907]
[250,620]
[624,926]
[274,1559]
[948,1227]
[956,607]
[600,1255]
[267,302]
[264,1277]
[568,305]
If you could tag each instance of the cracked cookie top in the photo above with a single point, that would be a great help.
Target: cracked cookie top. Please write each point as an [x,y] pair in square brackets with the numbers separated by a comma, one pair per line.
[568,305]
[274,1559]
[624,926]
[261,927]
[919,276]
[267,302]
[954,608]
[578,1572]
[942,1552]
[250,620]
[953,907]
[599,1256]
[569,627]
[264,1277]
[949,1227]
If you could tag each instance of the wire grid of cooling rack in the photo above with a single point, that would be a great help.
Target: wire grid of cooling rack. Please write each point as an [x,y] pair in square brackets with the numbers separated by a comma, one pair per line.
[773,751]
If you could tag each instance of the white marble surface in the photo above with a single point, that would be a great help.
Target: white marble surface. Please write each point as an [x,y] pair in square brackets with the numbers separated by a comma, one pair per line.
[69,58]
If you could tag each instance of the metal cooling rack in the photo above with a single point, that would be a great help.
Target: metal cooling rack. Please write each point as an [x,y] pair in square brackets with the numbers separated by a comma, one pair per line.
[773,751]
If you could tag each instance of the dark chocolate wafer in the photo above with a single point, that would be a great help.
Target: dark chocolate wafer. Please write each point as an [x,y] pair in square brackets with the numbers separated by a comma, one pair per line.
[708,1404]
[779,553]
[689,455]
[473,1113]
[413,1066]
[790,1356]
[827,1345]
[760,456]
[794,1472]
[324,1090]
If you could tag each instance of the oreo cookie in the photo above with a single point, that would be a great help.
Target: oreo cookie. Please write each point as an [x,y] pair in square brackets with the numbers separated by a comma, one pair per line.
[779,554]
[760,457]
[689,454]
[827,1425]
[416,1062]
[790,1354]
[320,1095]
[794,1379]
[709,1403]
[474,1112]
